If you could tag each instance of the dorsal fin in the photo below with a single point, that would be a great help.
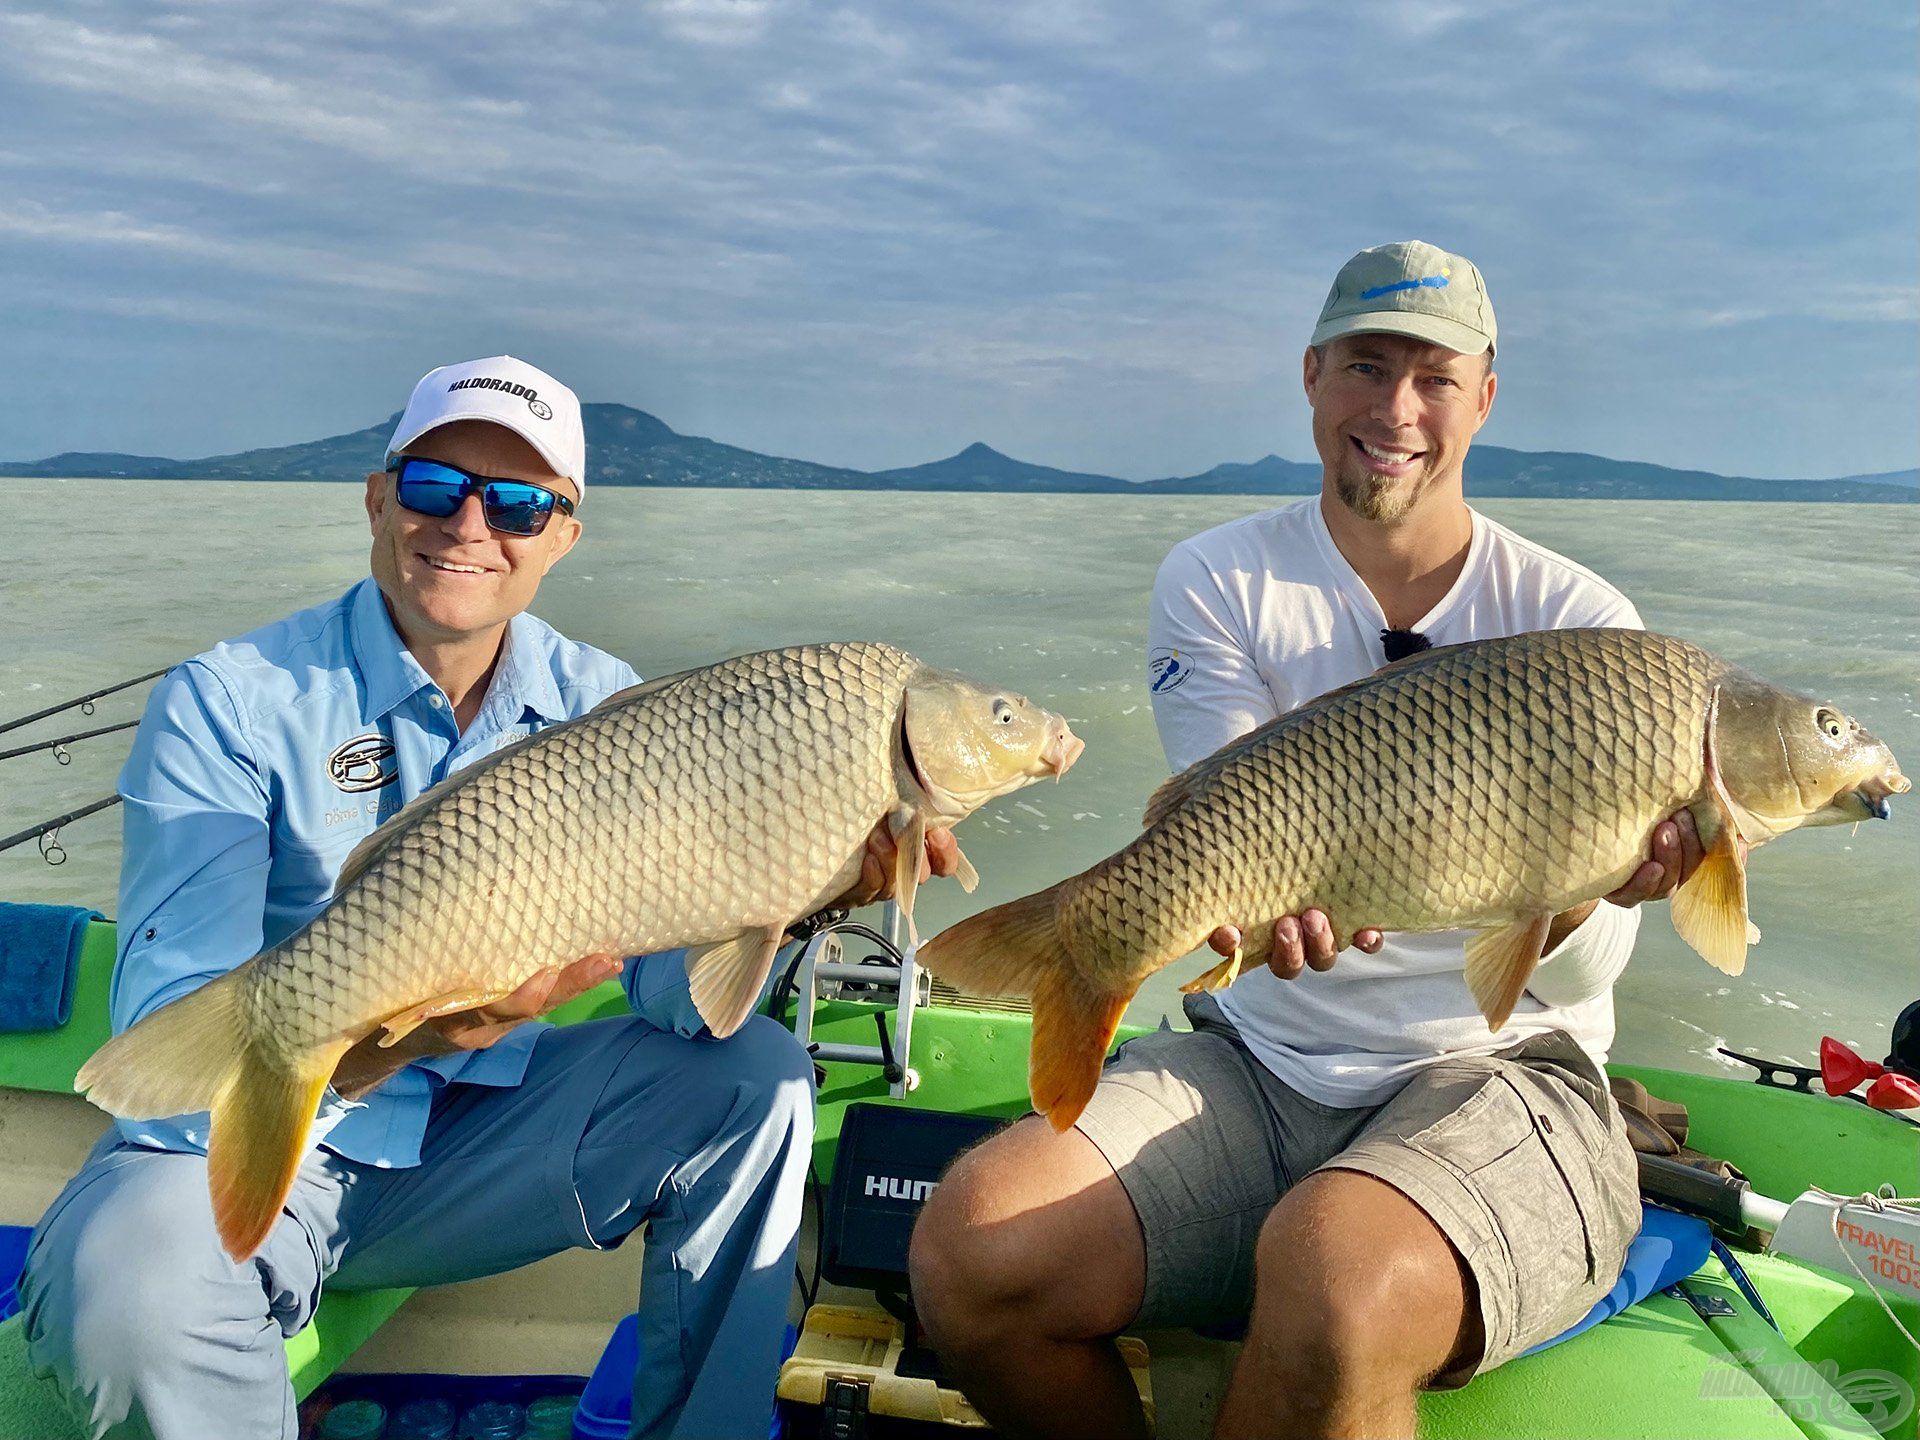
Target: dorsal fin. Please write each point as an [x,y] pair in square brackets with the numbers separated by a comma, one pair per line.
[645,687]
[1173,792]
[1176,790]
[369,849]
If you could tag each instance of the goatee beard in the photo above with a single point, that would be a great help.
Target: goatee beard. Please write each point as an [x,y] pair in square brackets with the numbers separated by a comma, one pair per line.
[1380,499]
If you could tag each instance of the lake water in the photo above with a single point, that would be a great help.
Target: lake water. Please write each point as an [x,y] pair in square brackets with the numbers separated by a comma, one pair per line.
[112,578]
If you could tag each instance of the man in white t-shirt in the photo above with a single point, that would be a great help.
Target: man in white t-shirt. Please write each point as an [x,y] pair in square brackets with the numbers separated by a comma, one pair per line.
[1339,1151]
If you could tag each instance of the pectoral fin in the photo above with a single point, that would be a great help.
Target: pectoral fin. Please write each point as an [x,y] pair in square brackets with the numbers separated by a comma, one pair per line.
[1218,978]
[909,842]
[1710,910]
[964,872]
[1500,962]
[726,978]
[398,1027]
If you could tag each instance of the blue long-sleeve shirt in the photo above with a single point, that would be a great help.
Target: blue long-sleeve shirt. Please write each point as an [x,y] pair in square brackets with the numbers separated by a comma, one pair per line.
[258,767]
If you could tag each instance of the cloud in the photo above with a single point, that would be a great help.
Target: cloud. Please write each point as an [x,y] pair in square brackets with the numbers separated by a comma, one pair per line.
[1091,229]
[714,22]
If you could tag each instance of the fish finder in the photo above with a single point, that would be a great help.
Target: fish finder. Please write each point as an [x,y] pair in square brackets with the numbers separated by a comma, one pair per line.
[888,1161]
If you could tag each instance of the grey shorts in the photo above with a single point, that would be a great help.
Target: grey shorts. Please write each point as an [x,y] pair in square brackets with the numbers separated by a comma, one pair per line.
[1519,1157]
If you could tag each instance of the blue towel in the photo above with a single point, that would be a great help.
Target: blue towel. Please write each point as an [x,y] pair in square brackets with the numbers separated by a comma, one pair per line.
[39,957]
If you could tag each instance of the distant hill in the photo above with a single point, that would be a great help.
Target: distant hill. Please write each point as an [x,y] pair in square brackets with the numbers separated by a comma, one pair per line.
[631,447]
[1909,479]
[1269,475]
[981,467]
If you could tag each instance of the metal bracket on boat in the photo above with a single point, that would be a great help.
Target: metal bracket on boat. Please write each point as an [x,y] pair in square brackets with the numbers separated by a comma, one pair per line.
[1707,1307]
[823,970]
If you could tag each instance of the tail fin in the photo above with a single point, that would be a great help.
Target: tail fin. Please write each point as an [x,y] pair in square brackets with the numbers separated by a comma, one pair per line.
[1002,951]
[1016,948]
[259,1136]
[174,1061]
[198,1054]
[1072,1028]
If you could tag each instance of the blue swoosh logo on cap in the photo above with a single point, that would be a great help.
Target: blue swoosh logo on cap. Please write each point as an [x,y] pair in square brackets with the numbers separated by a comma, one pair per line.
[1432,282]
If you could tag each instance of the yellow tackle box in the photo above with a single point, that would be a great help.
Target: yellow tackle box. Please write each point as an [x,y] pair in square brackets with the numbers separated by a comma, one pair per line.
[853,1373]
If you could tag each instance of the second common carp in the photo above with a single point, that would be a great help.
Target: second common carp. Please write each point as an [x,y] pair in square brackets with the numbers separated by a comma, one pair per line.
[1486,786]
[709,809]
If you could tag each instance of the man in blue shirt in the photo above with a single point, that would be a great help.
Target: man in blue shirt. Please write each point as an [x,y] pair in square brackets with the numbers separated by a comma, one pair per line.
[481,1141]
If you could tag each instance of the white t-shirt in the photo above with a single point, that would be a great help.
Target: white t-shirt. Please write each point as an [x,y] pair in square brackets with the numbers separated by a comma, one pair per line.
[1262,614]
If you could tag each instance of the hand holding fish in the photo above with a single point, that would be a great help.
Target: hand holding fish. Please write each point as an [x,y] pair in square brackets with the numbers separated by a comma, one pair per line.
[941,857]
[1675,854]
[706,810]
[1502,787]
[1299,941]
[367,1064]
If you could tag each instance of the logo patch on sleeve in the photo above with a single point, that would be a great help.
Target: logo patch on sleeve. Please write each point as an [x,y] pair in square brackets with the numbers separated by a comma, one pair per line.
[1167,670]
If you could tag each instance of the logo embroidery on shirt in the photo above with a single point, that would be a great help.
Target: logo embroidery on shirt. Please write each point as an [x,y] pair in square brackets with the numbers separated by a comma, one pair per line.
[363,763]
[1167,670]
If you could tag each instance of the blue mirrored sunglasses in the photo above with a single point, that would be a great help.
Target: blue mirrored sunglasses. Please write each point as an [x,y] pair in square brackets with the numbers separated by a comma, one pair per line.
[513,507]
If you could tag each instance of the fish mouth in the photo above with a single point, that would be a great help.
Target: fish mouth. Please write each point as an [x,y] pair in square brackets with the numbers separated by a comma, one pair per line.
[1873,795]
[1062,748]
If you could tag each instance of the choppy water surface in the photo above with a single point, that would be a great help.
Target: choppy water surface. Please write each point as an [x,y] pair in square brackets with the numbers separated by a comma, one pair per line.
[1048,594]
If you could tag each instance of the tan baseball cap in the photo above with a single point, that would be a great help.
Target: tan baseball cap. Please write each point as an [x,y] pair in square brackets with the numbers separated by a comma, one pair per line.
[1410,288]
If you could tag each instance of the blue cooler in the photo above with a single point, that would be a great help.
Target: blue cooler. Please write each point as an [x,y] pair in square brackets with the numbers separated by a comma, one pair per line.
[606,1405]
[13,1259]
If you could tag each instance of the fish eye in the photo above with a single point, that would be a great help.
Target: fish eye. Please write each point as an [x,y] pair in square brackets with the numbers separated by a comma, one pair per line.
[1833,723]
[1002,711]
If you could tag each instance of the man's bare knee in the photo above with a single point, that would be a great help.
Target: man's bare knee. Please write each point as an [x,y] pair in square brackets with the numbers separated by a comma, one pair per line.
[1355,1280]
[954,1285]
[1005,1242]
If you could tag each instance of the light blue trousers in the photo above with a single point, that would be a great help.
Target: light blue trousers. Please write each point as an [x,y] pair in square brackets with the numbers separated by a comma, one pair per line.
[137,1314]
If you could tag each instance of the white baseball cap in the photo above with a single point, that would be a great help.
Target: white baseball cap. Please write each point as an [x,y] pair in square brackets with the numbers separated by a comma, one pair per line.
[506,391]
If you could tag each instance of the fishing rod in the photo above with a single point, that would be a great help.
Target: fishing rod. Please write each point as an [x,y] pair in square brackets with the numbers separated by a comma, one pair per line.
[47,832]
[84,702]
[59,747]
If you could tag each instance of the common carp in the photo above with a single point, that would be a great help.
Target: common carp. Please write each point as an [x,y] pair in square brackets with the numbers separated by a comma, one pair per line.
[711,809]
[1486,786]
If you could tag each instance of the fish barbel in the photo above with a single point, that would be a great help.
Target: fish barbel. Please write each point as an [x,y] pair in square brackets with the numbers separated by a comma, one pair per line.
[709,809]
[1486,786]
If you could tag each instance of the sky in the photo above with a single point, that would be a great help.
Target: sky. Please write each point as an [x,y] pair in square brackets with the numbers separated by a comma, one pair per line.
[1093,235]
